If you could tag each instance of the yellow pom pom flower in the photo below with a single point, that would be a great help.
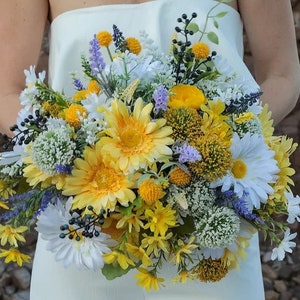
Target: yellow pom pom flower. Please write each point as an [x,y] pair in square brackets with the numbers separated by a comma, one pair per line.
[73,114]
[179,177]
[134,45]
[151,191]
[200,50]
[104,38]
[184,95]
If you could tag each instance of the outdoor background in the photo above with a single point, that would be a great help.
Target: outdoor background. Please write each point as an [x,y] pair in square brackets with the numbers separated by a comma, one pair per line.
[281,280]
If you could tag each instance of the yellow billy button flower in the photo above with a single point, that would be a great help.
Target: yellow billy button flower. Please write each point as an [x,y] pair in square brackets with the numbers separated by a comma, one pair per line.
[179,177]
[119,258]
[184,95]
[104,38]
[148,280]
[12,235]
[134,45]
[73,114]
[210,270]
[200,50]
[151,191]
[14,255]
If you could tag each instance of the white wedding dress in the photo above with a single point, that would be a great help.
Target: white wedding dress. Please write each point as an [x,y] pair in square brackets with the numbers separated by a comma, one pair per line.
[70,36]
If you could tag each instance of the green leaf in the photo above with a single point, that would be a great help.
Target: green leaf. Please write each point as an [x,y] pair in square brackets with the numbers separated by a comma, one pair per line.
[213,37]
[216,24]
[193,27]
[225,1]
[221,14]
[111,272]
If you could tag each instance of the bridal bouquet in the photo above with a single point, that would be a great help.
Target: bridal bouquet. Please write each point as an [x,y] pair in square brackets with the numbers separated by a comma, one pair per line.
[155,158]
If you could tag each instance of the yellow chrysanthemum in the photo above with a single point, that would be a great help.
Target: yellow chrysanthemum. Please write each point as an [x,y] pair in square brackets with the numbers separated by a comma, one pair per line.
[134,140]
[14,255]
[179,177]
[97,183]
[216,157]
[140,254]
[116,257]
[185,123]
[134,45]
[200,50]
[184,95]
[148,280]
[210,270]
[11,235]
[160,218]
[104,38]
[151,191]
[283,148]
[73,114]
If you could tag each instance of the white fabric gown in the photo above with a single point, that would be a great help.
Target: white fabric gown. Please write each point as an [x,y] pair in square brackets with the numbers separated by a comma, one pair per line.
[70,36]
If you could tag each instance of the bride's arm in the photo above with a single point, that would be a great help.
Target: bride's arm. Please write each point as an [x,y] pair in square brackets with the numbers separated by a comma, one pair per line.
[22,25]
[271,33]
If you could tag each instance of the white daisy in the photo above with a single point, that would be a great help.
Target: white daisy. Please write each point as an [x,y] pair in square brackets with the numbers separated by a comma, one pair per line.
[85,253]
[253,169]
[285,246]
[293,207]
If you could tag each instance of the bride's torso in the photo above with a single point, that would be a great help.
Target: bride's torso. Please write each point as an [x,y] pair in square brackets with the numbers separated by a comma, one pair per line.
[58,7]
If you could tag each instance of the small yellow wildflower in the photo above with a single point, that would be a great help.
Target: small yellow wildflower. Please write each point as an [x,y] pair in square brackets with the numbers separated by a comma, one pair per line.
[200,50]
[244,117]
[184,95]
[160,218]
[134,45]
[6,190]
[73,114]
[148,280]
[140,254]
[104,38]
[179,177]
[184,249]
[52,108]
[151,191]
[118,257]
[14,255]
[134,221]
[153,244]
[12,235]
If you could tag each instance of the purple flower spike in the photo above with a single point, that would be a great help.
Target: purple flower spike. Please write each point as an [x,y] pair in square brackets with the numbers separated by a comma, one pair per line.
[160,97]
[96,59]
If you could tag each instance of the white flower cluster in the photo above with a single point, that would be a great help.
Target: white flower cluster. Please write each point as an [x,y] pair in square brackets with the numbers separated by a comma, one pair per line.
[218,227]
[53,148]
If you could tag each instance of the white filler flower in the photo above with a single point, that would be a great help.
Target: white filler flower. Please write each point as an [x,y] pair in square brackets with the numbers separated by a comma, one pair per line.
[293,207]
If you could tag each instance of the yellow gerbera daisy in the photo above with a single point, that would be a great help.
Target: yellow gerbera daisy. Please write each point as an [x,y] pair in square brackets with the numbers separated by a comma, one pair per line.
[134,140]
[14,255]
[12,235]
[97,183]
[148,280]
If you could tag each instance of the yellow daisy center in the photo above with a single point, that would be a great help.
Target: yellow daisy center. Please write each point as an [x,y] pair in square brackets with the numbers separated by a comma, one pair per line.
[106,180]
[239,169]
[131,138]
